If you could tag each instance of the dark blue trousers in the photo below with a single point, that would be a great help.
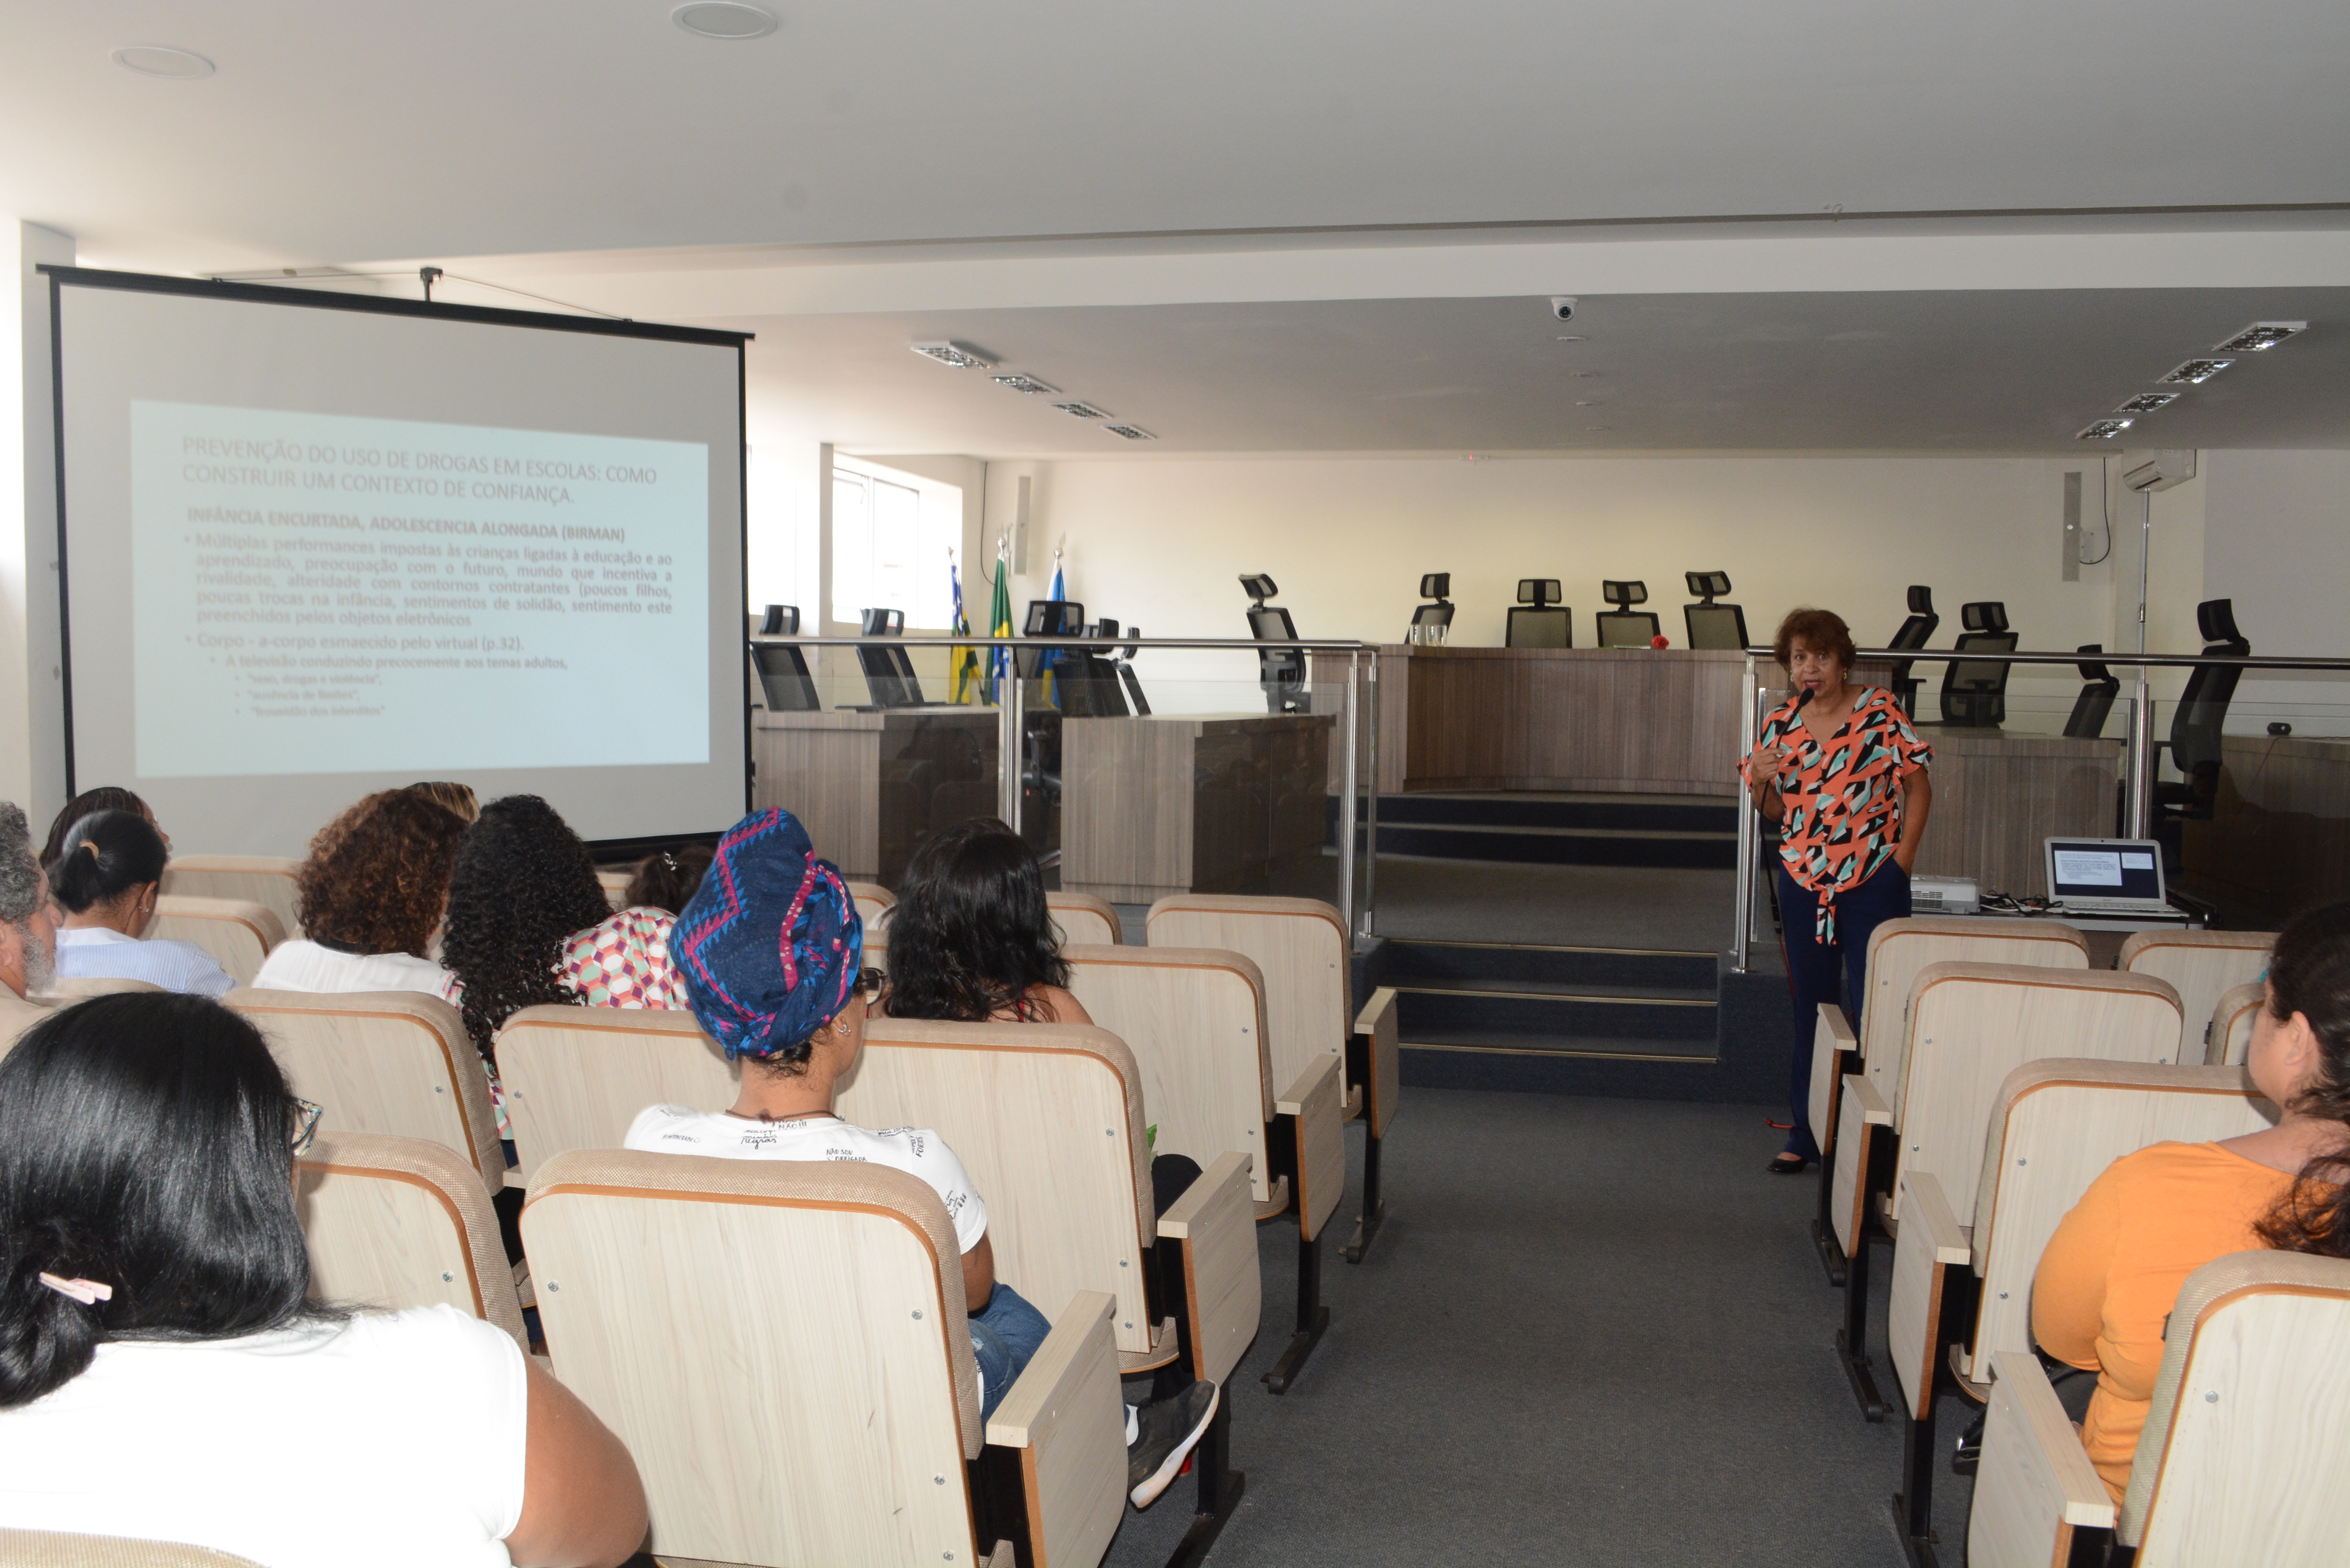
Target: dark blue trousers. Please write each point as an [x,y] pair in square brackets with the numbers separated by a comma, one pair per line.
[1819,971]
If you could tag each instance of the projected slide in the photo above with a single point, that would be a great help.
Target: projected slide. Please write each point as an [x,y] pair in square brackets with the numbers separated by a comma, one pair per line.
[318,593]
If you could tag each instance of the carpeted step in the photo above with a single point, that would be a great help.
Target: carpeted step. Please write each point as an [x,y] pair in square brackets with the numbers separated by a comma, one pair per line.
[1665,814]
[1529,967]
[1561,845]
[1588,1024]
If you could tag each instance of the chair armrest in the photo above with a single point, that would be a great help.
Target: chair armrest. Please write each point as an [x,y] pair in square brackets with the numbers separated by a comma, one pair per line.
[1318,1115]
[1066,1418]
[2035,1486]
[1832,1042]
[1382,1058]
[1929,1242]
[1863,1110]
[1215,1223]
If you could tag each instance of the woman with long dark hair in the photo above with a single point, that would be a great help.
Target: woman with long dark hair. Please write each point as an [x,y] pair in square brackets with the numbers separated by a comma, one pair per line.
[164,1373]
[970,938]
[2111,1273]
[371,895]
[87,803]
[106,880]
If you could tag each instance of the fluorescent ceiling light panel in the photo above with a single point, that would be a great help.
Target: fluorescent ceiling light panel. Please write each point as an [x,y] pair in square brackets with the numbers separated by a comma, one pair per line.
[1027,384]
[961,355]
[1083,410]
[2146,403]
[725,19]
[163,60]
[1131,432]
[2193,373]
[2102,429]
[2261,335]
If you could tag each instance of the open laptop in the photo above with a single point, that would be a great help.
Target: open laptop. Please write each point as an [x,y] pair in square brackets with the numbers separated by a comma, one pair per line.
[2107,876]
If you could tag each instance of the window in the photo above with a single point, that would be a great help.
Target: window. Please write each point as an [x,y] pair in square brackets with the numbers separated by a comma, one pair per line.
[892,535]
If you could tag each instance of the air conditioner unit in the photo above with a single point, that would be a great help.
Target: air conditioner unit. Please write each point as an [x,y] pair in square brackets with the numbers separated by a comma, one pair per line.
[2164,470]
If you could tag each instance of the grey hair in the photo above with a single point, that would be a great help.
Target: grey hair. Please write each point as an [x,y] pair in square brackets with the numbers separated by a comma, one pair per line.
[20,872]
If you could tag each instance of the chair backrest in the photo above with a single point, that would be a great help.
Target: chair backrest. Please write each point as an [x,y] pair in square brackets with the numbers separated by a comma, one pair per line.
[1972,1023]
[1048,1122]
[2096,702]
[261,879]
[73,988]
[1919,627]
[237,932]
[783,678]
[1195,1020]
[1546,626]
[1715,626]
[1627,628]
[1299,945]
[2242,1454]
[53,1549]
[1976,692]
[392,1062]
[2228,1040]
[873,903]
[574,1077]
[1899,950]
[2054,1126]
[2196,722]
[396,1222]
[1086,919]
[614,883]
[2201,966]
[780,1345]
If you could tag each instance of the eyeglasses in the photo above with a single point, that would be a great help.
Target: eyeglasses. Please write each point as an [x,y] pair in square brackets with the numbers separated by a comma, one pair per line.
[870,981]
[304,1119]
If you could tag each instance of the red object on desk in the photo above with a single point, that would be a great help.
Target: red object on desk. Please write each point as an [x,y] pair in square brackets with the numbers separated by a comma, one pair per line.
[1660,641]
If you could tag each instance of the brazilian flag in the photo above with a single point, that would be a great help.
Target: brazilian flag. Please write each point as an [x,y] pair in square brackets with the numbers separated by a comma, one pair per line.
[999,618]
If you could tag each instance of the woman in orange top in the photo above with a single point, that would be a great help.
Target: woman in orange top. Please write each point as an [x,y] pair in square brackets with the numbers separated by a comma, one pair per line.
[2112,1271]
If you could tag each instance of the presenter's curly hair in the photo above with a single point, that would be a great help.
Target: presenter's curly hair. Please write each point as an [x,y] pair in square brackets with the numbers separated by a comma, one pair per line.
[523,882]
[970,934]
[378,876]
[1821,632]
[2308,974]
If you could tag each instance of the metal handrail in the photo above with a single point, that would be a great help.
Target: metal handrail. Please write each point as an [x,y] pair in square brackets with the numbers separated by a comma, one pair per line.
[2076,656]
[959,639]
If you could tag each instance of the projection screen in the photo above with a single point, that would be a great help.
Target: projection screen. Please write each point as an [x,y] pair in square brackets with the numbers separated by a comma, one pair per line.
[316,546]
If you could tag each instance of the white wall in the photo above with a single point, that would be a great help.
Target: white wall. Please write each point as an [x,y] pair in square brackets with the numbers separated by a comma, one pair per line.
[2276,540]
[32,739]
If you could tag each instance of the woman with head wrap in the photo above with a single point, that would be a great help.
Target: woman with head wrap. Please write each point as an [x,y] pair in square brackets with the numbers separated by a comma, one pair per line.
[769,950]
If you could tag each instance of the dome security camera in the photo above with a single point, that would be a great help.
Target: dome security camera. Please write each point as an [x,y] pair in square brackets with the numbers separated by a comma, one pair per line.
[1563,307]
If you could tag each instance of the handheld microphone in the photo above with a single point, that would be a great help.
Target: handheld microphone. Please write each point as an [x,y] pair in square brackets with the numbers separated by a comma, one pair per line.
[1802,697]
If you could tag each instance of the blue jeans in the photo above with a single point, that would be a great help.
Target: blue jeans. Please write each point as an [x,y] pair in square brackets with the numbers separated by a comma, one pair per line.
[1816,970]
[1005,1337]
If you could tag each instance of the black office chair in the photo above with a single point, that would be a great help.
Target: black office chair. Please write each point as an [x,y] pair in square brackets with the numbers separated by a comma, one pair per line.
[1625,626]
[1712,624]
[1538,619]
[1974,691]
[1085,682]
[784,684]
[1437,614]
[781,620]
[1280,672]
[1124,660]
[2096,702]
[1914,633]
[2195,728]
[888,672]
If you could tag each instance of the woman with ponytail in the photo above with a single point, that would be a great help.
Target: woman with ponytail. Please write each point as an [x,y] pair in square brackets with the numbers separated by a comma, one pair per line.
[164,1373]
[2112,1271]
[106,879]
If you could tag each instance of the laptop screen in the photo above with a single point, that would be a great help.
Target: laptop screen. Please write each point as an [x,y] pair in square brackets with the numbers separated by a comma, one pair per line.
[2103,868]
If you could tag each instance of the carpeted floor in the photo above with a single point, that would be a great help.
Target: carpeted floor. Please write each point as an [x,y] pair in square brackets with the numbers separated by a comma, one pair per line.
[1593,1331]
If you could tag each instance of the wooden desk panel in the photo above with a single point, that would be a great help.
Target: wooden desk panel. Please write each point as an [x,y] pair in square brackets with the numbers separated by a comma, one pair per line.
[2278,838]
[1997,795]
[870,786]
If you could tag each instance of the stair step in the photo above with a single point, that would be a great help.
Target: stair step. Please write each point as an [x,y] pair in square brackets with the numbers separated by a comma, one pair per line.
[1555,991]
[1696,1052]
[1664,815]
[1609,969]
[1457,1017]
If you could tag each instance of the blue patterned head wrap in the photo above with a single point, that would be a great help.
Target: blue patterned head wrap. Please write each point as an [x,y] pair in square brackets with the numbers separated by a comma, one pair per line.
[770,944]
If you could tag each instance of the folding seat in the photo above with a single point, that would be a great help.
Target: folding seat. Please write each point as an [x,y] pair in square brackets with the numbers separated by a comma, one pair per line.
[1086,919]
[1969,1024]
[873,902]
[782,1347]
[2229,1037]
[2201,966]
[237,932]
[261,879]
[574,1077]
[2241,1457]
[396,1222]
[53,1549]
[1962,1296]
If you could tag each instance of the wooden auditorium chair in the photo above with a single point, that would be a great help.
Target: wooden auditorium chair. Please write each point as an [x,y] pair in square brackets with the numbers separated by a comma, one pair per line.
[237,932]
[574,1077]
[67,989]
[1898,950]
[1962,1295]
[396,1222]
[2201,966]
[1968,1025]
[782,1348]
[1085,918]
[2228,1039]
[873,902]
[261,879]
[54,1549]
[2241,1457]
[614,883]
[388,1062]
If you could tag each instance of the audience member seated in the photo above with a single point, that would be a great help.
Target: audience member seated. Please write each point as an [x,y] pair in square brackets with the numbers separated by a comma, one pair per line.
[458,798]
[164,1375]
[971,938]
[90,802]
[666,879]
[2112,1271]
[106,880]
[770,955]
[27,928]
[371,895]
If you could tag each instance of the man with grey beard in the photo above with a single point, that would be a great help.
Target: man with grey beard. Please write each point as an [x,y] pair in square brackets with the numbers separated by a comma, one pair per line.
[28,940]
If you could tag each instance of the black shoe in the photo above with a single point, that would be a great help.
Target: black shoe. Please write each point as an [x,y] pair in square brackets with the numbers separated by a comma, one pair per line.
[1787,1164]
[1166,1430]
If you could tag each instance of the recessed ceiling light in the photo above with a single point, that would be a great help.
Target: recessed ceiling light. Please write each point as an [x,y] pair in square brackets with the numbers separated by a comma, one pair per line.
[162,60]
[1589,403]
[1586,375]
[2146,403]
[2101,429]
[2261,335]
[961,355]
[1131,432]
[1083,410]
[1028,384]
[2193,373]
[1599,427]
[1569,337]
[728,19]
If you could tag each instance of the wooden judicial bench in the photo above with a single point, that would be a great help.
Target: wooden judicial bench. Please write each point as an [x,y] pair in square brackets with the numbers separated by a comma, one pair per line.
[868,787]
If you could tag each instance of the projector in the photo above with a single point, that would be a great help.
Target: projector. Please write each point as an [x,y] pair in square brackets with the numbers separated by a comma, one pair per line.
[1944,896]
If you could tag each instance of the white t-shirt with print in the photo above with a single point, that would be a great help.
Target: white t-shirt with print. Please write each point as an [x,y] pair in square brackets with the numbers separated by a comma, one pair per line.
[388,1440]
[917,1151]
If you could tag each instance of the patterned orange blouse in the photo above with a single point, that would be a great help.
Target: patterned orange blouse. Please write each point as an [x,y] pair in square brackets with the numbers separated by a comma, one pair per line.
[1843,800]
